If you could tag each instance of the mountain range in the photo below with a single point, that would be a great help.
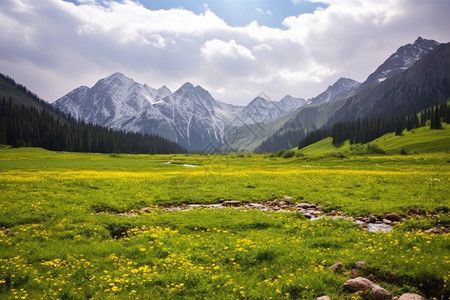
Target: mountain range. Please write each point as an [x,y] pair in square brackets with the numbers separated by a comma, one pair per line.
[191,117]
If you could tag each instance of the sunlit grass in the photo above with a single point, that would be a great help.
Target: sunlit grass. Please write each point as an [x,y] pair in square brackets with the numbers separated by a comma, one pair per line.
[62,235]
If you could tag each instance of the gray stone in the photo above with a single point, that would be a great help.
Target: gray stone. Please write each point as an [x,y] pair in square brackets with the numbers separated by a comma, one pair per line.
[393,217]
[410,296]
[303,205]
[372,219]
[361,284]
[336,267]
[380,294]
[360,264]
[146,209]
[358,284]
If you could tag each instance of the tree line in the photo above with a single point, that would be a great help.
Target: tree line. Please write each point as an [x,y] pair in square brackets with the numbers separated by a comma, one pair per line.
[367,129]
[28,126]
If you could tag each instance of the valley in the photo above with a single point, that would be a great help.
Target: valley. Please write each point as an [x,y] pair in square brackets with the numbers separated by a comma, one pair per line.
[104,228]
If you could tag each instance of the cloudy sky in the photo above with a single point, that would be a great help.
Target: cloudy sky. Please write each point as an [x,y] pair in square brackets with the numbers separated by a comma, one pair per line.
[233,48]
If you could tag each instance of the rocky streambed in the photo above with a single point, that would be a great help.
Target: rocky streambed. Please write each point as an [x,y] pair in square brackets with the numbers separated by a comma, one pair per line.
[372,223]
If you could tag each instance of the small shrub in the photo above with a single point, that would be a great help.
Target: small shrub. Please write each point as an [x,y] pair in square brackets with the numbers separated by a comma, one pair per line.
[373,148]
[288,154]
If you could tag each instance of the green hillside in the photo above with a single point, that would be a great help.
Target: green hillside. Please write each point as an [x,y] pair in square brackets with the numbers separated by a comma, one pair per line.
[419,140]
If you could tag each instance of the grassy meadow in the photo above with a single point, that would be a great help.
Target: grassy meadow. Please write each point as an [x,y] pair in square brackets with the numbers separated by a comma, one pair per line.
[71,225]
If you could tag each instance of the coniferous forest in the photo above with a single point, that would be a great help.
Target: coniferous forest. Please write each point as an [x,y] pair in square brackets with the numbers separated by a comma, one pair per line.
[364,130]
[39,125]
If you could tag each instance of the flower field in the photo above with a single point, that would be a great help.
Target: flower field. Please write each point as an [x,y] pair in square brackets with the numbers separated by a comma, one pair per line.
[72,226]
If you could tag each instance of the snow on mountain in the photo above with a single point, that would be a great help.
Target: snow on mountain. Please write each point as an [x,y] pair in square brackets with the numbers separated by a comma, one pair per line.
[262,109]
[401,60]
[289,103]
[192,117]
[341,88]
[189,116]
[110,100]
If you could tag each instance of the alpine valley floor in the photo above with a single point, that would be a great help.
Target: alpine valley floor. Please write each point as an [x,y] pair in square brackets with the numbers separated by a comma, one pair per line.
[65,233]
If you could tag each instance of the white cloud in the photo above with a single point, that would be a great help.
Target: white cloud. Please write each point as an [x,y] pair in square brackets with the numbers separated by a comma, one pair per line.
[215,47]
[54,46]
[264,12]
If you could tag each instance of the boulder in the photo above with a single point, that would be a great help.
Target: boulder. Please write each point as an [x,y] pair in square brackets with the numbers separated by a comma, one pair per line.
[336,267]
[361,284]
[358,284]
[380,294]
[303,205]
[231,203]
[393,217]
[410,296]
[353,273]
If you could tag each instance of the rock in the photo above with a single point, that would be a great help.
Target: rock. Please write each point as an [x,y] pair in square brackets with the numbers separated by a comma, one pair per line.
[353,273]
[255,205]
[146,209]
[336,267]
[360,264]
[308,215]
[303,205]
[410,296]
[361,284]
[379,293]
[359,222]
[323,298]
[415,211]
[358,284]
[287,199]
[372,219]
[386,221]
[434,230]
[231,203]
[393,217]
[371,277]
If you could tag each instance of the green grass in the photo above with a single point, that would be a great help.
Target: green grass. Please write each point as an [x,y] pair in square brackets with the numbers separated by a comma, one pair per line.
[62,236]
[419,140]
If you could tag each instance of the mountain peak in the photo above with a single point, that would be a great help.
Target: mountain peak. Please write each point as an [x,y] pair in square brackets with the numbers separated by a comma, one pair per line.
[263,95]
[187,86]
[341,88]
[401,60]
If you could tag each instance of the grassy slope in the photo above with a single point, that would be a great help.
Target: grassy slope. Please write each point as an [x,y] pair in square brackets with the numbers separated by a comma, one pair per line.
[420,140]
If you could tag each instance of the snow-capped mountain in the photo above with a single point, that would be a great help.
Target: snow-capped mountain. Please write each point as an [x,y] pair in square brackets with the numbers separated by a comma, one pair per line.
[111,100]
[401,60]
[263,109]
[190,116]
[341,88]
[193,118]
